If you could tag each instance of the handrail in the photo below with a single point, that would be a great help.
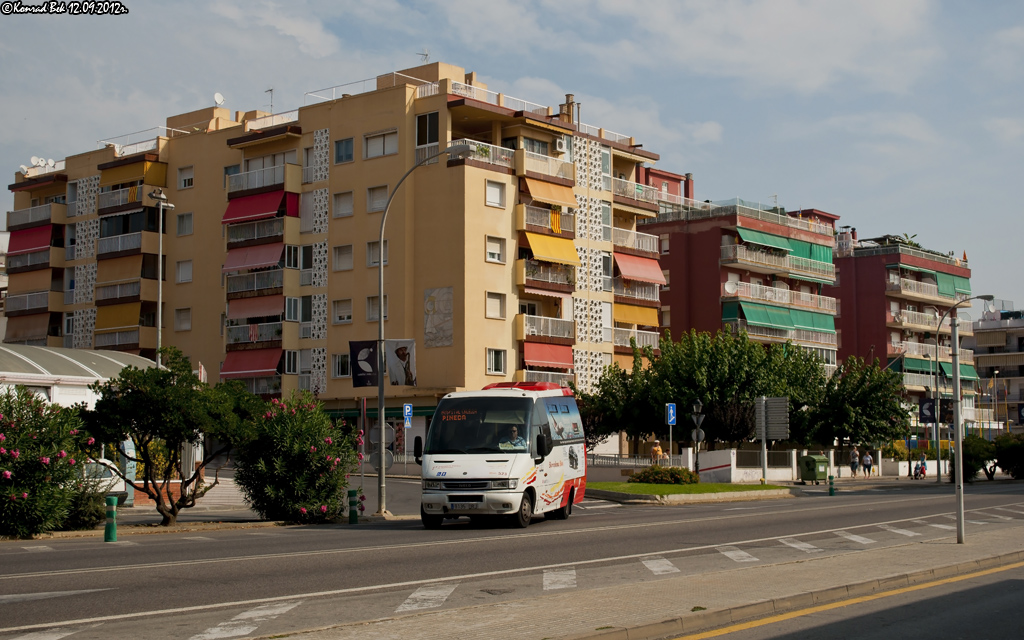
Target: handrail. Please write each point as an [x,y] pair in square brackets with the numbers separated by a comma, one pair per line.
[273,120]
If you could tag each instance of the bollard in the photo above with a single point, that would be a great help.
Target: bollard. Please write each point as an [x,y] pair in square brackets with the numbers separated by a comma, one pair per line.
[353,507]
[110,532]
[831,485]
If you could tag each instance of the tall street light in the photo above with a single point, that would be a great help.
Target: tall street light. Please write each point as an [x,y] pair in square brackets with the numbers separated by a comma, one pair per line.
[162,204]
[455,151]
[957,429]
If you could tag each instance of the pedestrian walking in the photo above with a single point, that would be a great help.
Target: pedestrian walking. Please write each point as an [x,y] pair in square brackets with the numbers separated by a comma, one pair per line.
[866,462]
[854,461]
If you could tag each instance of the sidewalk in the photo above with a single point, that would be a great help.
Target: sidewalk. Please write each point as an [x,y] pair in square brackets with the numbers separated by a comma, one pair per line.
[664,607]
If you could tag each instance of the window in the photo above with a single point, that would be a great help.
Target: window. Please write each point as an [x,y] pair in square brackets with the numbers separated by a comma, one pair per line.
[183,319]
[373,308]
[343,257]
[343,204]
[184,271]
[376,198]
[291,362]
[495,305]
[373,253]
[341,311]
[535,146]
[607,266]
[306,257]
[291,309]
[495,250]
[664,243]
[343,151]
[291,256]
[339,366]
[527,308]
[231,170]
[607,322]
[666,318]
[381,144]
[184,224]
[426,129]
[510,143]
[186,177]
[664,287]
[495,194]
[496,362]
[69,324]
[606,168]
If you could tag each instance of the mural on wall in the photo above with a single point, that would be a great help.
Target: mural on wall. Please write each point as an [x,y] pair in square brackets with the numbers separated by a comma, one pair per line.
[437,317]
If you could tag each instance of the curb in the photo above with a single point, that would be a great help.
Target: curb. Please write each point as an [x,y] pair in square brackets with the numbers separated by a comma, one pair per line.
[688,498]
[705,620]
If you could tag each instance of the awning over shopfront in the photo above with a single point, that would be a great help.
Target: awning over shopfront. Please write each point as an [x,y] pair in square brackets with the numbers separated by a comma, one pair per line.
[552,249]
[552,356]
[116,317]
[763,239]
[30,240]
[255,307]
[551,193]
[263,255]
[257,207]
[632,314]
[21,328]
[250,364]
[640,269]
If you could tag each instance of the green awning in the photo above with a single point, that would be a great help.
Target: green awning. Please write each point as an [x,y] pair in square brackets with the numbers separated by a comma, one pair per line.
[947,369]
[911,268]
[762,315]
[780,318]
[730,310]
[917,365]
[800,276]
[802,319]
[968,372]
[962,285]
[824,323]
[764,239]
[811,251]
[800,248]
[947,288]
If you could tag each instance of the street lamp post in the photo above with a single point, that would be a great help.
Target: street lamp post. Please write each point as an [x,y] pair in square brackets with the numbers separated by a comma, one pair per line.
[958,453]
[161,204]
[698,435]
[456,151]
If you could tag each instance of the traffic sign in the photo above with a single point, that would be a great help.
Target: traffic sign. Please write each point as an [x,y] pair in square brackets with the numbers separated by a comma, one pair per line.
[407,410]
[389,459]
[772,415]
[670,413]
[408,422]
[389,435]
[697,435]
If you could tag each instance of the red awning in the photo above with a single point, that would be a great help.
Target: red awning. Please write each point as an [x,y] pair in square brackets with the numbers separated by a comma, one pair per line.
[639,269]
[255,307]
[263,205]
[555,356]
[250,364]
[263,255]
[30,240]
[291,204]
[546,293]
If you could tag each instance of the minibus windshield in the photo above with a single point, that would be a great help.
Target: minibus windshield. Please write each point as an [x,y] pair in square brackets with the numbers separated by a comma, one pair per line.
[480,425]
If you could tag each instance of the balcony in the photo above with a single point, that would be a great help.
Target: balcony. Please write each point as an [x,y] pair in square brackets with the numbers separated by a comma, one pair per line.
[251,334]
[118,291]
[634,191]
[117,339]
[248,231]
[488,153]
[773,334]
[764,262]
[285,176]
[643,339]
[28,302]
[69,296]
[72,209]
[117,244]
[30,261]
[33,216]
[425,151]
[528,326]
[543,165]
[916,290]
[69,252]
[110,201]
[308,175]
[260,281]
[551,221]
[927,322]
[562,277]
[266,386]
[923,349]
[561,379]
[635,241]
[772,295]
[636,290]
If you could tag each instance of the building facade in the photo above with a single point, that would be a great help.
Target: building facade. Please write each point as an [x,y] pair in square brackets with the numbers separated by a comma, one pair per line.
[998,344]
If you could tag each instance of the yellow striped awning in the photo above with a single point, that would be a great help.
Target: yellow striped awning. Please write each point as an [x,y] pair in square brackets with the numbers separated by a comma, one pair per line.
[119,269]
[632,314]
[552,249]
[118,316]
[551,193]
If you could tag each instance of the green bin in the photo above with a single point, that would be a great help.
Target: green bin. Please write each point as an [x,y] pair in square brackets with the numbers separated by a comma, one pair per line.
[813,469]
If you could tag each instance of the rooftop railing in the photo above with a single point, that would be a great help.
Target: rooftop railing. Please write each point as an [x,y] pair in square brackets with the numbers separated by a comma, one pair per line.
[589,129]
[679,208]
[139,141]
[909,251]
[35,172]
[349,89]
[518,104]
[273,120]
[474,93]
[616,137]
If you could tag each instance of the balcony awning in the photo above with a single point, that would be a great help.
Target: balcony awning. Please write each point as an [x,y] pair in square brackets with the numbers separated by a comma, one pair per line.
[640,269]
[764,239]
[927,272]
[554,356]
[947,288]
[116,317]
[917,365]
[257,207]
[250,364]
[968,372]
[263,255]
[632,314]
[800,276]
[255,307]
[552,249]
[119,269]
[551,193]
[30,281]
[21,328]
[962,285]
[30,240]
[548,294]
[762,315]
[812,321]
[999,359]
[982,338]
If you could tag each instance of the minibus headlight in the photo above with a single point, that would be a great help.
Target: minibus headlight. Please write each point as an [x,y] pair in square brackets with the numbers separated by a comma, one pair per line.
[431,484]
[504,484]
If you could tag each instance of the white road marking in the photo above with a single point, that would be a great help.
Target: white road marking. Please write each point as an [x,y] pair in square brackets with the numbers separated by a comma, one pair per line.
[559,579]
[902,532]
[427,597]
[800,544]
[267,533]
[937,526]
[854,537]
[49,634]
[26,597]
[737,554]
[602,505]
[246,622]
[1019,513]
[987,515]
[43,547]
[660,566]
[126,543]
[201,538]
[954,518]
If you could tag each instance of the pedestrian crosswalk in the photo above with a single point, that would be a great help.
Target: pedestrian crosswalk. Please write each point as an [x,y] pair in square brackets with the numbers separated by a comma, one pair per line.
[559,579]
[801,545]
[246,622]
[660,566]
[427,597]
[854,537]
[737,554]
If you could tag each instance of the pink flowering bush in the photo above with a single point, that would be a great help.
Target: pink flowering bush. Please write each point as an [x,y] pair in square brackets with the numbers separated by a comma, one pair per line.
[295,467]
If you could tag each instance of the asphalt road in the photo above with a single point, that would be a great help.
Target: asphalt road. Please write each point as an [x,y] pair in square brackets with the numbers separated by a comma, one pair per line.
[317,576]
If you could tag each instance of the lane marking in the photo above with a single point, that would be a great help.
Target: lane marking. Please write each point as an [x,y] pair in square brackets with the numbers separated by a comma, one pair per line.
[949,517]
[599,506]
[26,597]
[854,537]
[660,566]
[782,617]
[902,532]
[945,527]
[49,634]
[246,622]
[427,597]
[987,515]
[1019,513]
[737,554]
[201,538]
[801,545]
[559,579]
[41,547]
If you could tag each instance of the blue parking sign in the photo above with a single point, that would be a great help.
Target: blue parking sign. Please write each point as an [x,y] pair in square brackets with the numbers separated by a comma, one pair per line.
[407,410]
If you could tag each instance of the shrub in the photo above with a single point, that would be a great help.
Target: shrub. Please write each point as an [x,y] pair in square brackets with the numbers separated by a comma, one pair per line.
[897,451]
[296,465]
[40,463]
[977,451]
[666,475]
[1009,454]
[88,507]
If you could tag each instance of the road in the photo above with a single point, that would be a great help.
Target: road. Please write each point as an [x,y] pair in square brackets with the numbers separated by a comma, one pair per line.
[289,578]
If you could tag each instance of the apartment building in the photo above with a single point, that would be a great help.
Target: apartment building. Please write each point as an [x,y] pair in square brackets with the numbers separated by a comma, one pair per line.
[892,293]
[521,261]
[740,265]
[998,344]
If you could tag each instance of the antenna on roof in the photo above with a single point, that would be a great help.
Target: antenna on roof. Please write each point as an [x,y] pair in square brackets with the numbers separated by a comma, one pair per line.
[271,92]
[35,161]
[218,98]
[424,55]
[50,163]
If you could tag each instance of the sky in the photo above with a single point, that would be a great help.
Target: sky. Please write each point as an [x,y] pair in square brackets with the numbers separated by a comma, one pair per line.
[901,117]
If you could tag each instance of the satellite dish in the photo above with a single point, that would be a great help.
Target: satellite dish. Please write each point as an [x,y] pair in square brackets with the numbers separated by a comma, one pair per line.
[51,163]
[218,98]
[35,161]
[730,287]
[24,169]
[990,307]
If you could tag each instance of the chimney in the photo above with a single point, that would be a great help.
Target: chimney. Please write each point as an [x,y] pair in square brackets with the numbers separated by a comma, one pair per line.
[566,111]
[688,186]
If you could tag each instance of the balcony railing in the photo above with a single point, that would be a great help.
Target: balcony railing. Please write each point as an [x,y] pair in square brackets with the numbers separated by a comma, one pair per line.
[427,90]
[643,338]
[26,301]
[305,329]
[928,320]
[906,285]
[69,252]
[474,93]
[246,333]
[825,269]
[634,190]
[489,153]
[118,290]
[743,253]
[638,290]
[274,120]
[273,279]
[72,209]
[923,380]
[266,386]
[69,341]
[113,244]
[308,174]
[774,295]
[26,216]
[817,338]
[562,379]
[257,178]
[254,230]
[635,240]
[540,217]
[118,338]
[305,382]
[28,259]
[425,151]
[549,166]
[119,197]
[69,296]
[547,272]
[922,349]
[306,276]
[679,208]
[549,327]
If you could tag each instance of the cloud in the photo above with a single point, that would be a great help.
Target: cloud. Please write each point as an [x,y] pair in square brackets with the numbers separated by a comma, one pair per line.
[1005,129]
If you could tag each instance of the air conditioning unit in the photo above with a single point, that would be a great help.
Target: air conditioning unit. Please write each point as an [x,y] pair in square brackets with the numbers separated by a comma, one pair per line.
[560,146]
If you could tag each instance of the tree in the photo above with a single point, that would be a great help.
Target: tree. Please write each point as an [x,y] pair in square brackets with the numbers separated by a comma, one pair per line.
[860,403]
[1009,454]
[162,410]
[977,455]
[594,412]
